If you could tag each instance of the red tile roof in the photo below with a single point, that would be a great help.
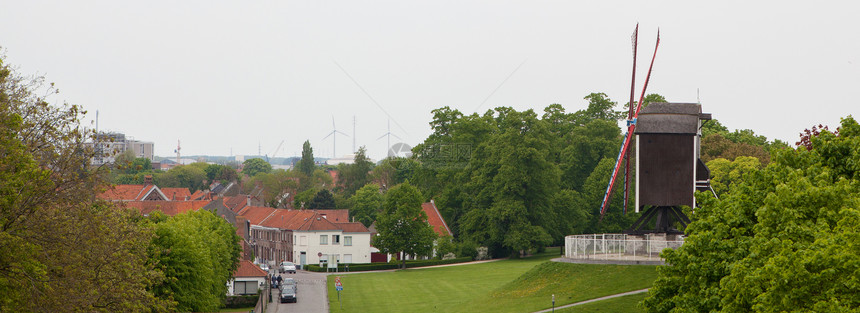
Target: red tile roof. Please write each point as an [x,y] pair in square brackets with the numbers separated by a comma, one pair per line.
[352,227]
[287,219]
[248,269]
[179,194]
[317,222]
[336,216]
[128,192]
[434,218]
[257,214]
[167,207]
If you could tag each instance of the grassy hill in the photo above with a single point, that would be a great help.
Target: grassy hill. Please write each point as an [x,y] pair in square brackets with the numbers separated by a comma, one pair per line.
[515,285]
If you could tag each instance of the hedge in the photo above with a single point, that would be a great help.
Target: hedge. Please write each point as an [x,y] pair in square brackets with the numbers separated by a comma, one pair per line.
[236,302]
[387,266]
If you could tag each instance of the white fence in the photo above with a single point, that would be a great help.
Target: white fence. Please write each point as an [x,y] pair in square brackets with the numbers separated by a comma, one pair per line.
[619,246]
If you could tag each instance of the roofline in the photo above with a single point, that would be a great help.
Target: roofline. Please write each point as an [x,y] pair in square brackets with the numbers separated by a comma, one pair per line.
[433,203]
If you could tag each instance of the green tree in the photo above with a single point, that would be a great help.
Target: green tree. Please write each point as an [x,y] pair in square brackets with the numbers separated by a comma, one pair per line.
[198,253]
[192,176]
[223,173]
[784,239]
[61,249]
[351,177]
[402,225]
[366,204]
[513,182]
[323,200]
[252,167]
[306,164]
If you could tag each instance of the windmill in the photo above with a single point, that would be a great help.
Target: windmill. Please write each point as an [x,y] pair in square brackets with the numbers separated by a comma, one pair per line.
[388,134]
[333,135]
[668,168]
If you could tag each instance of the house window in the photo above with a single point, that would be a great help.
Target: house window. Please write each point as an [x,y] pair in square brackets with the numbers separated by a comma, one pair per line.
[323,239]
[347,240]
[245,287]
[335,239]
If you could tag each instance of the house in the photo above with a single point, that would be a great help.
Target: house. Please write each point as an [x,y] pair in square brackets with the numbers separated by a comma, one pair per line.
[306,237]
[247,279]
[146,192]
[181,194]
[434,218]
[167,207]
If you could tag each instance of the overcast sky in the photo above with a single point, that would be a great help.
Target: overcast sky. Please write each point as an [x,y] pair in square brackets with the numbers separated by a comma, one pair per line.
[241,76]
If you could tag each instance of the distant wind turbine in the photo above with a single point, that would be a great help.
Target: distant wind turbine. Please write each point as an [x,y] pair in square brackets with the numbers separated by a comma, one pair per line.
[333,135]
[388,134]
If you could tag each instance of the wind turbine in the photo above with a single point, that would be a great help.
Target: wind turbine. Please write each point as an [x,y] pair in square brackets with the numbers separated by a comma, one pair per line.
[388,134]
[333,135]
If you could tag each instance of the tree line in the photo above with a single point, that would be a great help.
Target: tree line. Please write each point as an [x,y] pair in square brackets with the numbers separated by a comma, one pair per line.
[65,250]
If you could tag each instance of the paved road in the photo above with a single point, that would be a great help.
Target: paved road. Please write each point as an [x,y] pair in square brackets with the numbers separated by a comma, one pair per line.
[311,294]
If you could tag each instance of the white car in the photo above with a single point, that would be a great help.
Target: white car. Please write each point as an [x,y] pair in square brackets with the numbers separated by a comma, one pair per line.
[287,267]
[265,267]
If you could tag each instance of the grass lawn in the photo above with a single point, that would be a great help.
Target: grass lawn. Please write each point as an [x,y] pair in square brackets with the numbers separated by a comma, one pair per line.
[620,304]
[248,309]
[515,285]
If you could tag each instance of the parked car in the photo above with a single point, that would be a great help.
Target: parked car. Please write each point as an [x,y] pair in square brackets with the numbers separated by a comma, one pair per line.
[264,267]
[289,283]
[287,267]
[288,295]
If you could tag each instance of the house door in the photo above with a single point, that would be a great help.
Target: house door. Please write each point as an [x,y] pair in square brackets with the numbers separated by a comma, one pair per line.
[303,259]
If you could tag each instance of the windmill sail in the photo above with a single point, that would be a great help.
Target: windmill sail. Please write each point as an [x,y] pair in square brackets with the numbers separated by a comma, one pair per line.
[631,127]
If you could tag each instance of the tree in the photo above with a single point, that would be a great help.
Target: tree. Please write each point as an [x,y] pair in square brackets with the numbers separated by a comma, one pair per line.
[783,239]
[223,173]
[513,181]
[61,248]
[366,204]
[192,176]
[402,225]
[198,253]
[354,176]
[306,165]
[252,167]
[323,200]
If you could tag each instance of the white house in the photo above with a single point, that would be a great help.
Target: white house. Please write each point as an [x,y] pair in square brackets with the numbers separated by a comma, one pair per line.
[320,240]
[247,279]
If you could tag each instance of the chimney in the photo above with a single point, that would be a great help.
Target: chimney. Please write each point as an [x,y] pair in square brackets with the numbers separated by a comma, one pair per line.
[174,196]
[248,203]
[147,180]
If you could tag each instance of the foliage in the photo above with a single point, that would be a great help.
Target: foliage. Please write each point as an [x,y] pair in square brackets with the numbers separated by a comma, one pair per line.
[351,177]
[192,176]
[366,204]
[323,200]
[277,185]
[725,173]
[220,173]
[303,199]
[784,239]
[806,136]
[252,167]
[402,225]
[62,250]
[198,253]
[306,165]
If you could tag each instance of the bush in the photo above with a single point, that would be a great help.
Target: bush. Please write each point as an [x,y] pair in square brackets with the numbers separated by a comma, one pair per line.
[236,302]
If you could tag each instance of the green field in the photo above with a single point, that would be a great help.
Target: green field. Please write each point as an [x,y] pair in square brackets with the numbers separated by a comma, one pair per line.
[625,304]
[515,285]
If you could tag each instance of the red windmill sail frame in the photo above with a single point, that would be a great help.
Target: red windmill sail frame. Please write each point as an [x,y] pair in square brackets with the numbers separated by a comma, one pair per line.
[630,128]
[630,117]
